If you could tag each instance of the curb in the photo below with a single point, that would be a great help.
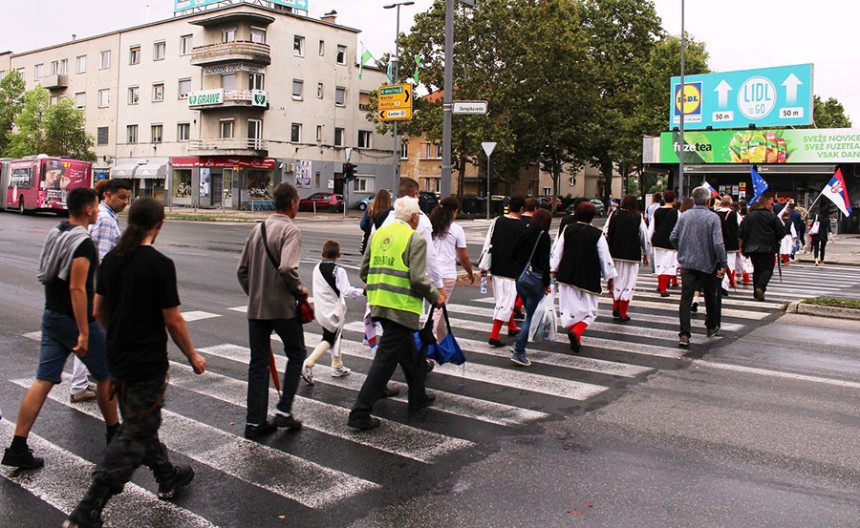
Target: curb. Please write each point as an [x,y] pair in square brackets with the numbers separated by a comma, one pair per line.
[799,307]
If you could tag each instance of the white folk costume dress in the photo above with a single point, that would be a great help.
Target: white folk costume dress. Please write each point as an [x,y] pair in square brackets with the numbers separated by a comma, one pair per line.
[627,236]
[665,255]
[499,243]
[730,220]
[331,288]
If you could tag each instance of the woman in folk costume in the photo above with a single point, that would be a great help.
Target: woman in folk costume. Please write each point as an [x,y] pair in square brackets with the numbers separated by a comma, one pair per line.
[627,236]
[730,220]
[786,245]
[579,257]
[744,264]
[665,255]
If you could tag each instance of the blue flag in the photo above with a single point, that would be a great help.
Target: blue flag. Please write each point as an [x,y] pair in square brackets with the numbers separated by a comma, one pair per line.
[759,185]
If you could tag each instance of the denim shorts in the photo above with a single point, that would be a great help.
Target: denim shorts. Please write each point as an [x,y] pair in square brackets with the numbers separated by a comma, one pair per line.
[59,337]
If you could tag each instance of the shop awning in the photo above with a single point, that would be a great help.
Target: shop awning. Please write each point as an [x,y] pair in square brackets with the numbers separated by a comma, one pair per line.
[157,171]
[123,171]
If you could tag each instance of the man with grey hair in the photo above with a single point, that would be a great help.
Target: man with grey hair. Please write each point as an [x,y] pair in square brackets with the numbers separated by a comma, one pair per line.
[698,237]
[395,270]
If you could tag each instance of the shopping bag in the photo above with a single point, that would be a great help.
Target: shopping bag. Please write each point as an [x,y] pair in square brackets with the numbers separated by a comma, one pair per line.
[445,351]
[544,322]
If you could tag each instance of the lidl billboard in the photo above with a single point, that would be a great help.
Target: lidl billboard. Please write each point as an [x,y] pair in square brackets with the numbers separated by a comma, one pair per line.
[182,5]
[765,97]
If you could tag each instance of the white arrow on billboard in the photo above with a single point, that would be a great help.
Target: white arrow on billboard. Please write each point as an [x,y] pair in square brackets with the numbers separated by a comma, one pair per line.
[791,84]
[488,147]
[723,89]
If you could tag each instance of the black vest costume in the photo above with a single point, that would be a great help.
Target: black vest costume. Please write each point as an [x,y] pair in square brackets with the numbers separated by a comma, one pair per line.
[327,268]
[505,233]
[729,221]
[665,219]
[580,262]
[623,236]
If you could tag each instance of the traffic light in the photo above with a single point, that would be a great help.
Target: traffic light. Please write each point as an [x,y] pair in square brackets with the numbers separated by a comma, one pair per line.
[349,171]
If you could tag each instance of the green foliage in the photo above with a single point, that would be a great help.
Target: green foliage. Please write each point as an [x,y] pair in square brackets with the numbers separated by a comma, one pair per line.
[55,130]
[830,114]
[29,137]
[11,101]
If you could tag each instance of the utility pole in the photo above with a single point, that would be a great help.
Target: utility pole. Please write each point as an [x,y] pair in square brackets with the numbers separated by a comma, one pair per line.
[683,110]
[448,100]
[395,63]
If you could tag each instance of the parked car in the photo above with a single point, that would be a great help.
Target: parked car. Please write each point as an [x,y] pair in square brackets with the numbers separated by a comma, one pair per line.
[324,202]
[427,201]
[545,202]
[365,202]
[601,209]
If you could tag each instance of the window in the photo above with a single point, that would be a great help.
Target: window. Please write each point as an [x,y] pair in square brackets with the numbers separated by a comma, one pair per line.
[341,54]
[156,133]
[64,67]
[255,133]
[547,191]
[158,92]
[158,51]
[319,133]
[298,46]
[258,35]
[320,91]
[104,98]
[38,72]
[363,184]
[81,100]
[21,73]
[227,128]
[338,137]
[134,55]
[296,133]
[186,44]
[340,96]
[54,100]
[183,131]
[298,87]
[81,64]
[133,94]
[364,139]
[322,48]
[317,178]
[228,34]
[432,151]
[256,81]
[404,151]
[228,81]
[131,134]
[434,184]
[55,67]
[184,88]
[102,136]
[104,60]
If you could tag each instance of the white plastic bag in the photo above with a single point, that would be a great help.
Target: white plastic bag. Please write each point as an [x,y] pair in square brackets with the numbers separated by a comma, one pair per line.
[545,320]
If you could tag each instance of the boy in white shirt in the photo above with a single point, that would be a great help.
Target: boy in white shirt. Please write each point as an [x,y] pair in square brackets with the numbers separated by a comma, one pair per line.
[331,288]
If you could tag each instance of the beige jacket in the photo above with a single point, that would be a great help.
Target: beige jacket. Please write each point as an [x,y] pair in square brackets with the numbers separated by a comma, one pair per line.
[272,292]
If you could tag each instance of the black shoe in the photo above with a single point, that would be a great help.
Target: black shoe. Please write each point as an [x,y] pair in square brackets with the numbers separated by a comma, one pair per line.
[575,345]
[658,290]
[759,294]
[390,392]
[425,402]
[664,294]
[616,314]
[182,476]
[623,318]
[79,519]
[253,432]
[695,307]
[684,341]
[518,314]
[724,292]
[88,513]
[286,422]
[513,333]
[495,342]
[363,424]
[22,459]
[712,332]
[430,366]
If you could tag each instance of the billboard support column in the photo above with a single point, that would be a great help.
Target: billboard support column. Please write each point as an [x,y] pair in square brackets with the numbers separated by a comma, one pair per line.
[683,109]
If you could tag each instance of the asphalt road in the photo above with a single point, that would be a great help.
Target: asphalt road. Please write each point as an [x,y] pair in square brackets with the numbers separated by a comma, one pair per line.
[760,427]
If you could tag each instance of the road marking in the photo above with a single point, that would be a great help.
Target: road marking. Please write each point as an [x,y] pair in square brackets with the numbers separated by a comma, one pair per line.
[778,374]
[63,482]
[283,474]
[35,336]
[241,309]
[197,315]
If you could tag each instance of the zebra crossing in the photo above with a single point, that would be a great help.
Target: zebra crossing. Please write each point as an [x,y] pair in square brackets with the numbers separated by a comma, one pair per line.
[327,465]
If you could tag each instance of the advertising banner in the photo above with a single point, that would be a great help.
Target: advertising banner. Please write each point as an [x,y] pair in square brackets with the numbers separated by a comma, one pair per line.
[303,174]
[765,97]
[59,176]
[824,145]
[182,5]
[219,162]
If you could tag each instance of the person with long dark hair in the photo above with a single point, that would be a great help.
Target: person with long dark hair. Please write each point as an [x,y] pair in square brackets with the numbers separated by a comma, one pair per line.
[449,240]
[627,235]
[531,250]
[819,239]
[138,303]
[372,217]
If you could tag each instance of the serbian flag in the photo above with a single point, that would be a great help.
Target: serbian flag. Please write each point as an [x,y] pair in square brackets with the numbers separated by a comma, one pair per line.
[711,188]
[759,185]
[369,329]
[838,194]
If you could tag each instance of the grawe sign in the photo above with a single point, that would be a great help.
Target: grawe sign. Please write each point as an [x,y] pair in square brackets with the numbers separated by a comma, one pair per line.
[779,96]
[208,97]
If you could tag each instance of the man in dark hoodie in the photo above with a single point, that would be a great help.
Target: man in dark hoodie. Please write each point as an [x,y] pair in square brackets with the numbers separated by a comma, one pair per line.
[66,268]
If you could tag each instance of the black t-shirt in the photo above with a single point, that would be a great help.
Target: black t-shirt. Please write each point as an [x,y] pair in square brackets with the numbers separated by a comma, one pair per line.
[57,296]
[136,291]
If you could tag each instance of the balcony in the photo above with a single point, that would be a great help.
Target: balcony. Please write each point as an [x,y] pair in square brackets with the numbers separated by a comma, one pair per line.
[239,50]
[211,99]
[56,81]
[229,147]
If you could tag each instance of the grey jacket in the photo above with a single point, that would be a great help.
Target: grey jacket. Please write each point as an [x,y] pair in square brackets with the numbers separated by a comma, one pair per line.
[56,259]
[698,237]
[272,292]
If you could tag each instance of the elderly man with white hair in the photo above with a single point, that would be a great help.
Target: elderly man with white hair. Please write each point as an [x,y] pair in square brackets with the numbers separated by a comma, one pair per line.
[395,270]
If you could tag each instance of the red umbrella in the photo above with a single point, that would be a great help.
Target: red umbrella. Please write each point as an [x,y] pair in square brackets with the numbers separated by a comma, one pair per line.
[273,370]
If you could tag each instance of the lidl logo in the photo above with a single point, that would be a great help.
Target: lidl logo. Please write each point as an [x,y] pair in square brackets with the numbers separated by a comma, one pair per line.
[688,100]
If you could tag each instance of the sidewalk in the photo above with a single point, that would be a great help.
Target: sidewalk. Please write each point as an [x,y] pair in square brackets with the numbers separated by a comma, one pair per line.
[845,251]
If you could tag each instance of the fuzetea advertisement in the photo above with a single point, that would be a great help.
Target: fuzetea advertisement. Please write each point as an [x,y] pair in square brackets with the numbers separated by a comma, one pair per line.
[834,145]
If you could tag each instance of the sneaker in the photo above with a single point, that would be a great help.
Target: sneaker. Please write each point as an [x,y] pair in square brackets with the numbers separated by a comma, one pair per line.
[286,421]
[79,520]
[695,307]
[88,394]
[575,345]
[308,375]
[684,341]
[182,476]
[496,343]
[253,432]
[341,372]
[22,459]
[426,401]
[520,359]
[712,332]
[363,424]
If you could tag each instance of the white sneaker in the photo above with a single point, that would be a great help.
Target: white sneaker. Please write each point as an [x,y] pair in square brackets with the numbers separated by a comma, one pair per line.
[340,373]
[308,375]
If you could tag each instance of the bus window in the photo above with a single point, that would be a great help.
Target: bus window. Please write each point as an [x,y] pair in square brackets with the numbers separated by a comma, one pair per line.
[20,178]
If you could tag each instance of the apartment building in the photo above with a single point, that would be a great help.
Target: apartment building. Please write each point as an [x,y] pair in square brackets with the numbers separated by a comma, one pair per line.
[214,107]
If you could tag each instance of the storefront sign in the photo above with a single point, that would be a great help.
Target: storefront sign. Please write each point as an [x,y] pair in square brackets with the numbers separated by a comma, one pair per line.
[209,97]
[764,97]
[223,162]
[233,67]
[823,145]
[259,98]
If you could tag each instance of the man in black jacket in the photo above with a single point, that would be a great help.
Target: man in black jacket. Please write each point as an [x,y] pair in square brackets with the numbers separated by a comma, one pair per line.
[760,233]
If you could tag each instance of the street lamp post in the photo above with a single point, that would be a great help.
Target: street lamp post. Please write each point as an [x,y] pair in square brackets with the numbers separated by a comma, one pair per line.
[395,62]
[348,151]
[683,110]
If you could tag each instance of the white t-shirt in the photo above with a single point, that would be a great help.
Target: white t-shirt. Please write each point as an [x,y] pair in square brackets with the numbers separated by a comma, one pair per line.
[446,250]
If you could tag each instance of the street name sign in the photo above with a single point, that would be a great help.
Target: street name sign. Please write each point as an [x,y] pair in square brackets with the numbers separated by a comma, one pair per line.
[765,97]
[471,107]
[395,102]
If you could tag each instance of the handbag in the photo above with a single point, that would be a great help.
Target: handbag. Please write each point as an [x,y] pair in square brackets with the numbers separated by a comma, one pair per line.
[529,278]
[816,225]
[303,307]
[445,351]
[486,260]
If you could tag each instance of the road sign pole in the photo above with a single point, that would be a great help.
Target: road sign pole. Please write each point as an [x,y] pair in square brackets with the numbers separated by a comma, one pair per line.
[683,105]
[488,147]
[448,100]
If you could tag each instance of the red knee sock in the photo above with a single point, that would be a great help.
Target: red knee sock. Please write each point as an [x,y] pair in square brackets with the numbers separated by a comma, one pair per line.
[746,278]
[512,324]
[578,328]
[616,304]
[518,303]
[622,308]
[732,282]
[497,328]
[675,280]
[663,282]
[785,259]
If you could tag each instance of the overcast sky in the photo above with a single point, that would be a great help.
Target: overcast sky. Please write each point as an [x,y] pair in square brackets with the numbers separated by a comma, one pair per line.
[739,34]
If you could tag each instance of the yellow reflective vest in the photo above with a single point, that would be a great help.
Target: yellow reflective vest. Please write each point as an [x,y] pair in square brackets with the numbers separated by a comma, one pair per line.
[388,282]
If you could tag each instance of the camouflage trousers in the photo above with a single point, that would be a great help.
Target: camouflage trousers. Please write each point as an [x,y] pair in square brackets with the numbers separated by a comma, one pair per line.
[137,441]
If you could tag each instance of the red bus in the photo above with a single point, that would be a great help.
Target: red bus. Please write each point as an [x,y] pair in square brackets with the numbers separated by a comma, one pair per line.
[40,183]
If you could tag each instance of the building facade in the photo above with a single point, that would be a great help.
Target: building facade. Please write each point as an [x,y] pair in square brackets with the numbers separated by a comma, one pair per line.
[213,108]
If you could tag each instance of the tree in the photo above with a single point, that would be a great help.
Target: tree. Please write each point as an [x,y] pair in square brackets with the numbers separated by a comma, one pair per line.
[829,115]
[11,101]
[29,137]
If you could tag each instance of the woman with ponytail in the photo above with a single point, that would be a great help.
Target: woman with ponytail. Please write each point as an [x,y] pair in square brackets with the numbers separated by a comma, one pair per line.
[449,240]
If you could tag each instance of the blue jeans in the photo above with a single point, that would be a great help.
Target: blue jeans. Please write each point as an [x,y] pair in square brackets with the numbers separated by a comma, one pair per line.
[530,296]
[59,337]
[260,333]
